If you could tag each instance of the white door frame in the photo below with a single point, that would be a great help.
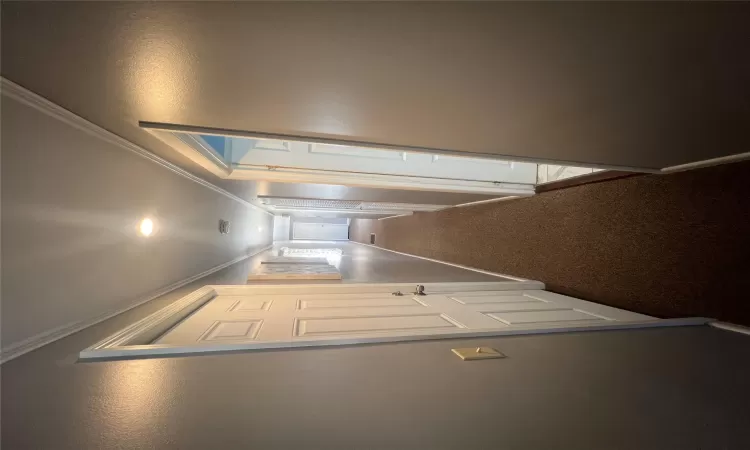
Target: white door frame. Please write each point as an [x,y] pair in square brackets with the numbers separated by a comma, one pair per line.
[177,128]
[192,149]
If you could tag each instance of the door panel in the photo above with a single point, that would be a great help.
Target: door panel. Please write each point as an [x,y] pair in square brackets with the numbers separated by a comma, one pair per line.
[321,231]
[335,326]
[232,330]
[340,315]
[353,303]
[550,315]
[375,161]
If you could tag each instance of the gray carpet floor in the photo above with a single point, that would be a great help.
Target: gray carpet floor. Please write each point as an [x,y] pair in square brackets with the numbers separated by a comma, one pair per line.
[665,245]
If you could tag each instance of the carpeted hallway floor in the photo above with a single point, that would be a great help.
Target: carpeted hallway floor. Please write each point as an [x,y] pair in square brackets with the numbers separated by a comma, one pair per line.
[665,245]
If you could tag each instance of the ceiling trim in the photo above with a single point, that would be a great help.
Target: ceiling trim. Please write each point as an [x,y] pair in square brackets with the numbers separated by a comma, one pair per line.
[33,100]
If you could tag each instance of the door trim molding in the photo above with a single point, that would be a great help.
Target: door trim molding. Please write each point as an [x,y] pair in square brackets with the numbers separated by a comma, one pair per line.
[129,341]
[50,336]
[291,175]
[135,340]
[482,202]
[175,142]
[323,139]
[707,163]
[730,327]
[579,180]
[33,100]
[400,215]
[439,151]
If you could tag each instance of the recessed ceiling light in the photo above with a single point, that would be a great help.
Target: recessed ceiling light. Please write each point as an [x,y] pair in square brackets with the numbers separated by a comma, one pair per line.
[146,227]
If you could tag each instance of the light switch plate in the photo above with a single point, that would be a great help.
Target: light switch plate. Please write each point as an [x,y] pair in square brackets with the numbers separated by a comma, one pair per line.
[474,353]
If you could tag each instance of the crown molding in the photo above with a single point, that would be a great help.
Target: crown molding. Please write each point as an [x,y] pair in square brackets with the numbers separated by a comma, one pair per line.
[29,98]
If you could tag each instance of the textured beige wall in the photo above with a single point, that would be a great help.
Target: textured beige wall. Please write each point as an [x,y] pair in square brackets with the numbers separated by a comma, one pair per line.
[70,205]
[644,84]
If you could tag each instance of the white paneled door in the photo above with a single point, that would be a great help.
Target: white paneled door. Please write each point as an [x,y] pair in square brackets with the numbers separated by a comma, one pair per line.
[320,231]
[293,317]
[339,158]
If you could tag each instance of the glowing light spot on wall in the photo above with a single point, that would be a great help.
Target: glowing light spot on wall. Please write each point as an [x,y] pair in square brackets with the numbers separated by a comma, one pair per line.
[146,227]
[159,74]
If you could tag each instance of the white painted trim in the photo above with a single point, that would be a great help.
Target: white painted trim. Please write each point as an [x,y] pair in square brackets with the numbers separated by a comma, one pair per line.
[482,202]
[164,318]
[149,328]
[373,212]
[245,172]
[23,95]
[730,327]
[50,336]
[437,151]
[379,146]
[473,269]
[401,215]
[197,142]
[187,147]
[340,150]
[289,175]
[707,163]
[104,351]
[363,288]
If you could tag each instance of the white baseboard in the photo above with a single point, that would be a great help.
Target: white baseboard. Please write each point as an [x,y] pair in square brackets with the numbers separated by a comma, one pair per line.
[482,202]
[708,163]
[50,336]
[473,269]
[730,327]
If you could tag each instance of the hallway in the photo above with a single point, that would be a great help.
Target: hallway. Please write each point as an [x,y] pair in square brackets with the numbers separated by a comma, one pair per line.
[664,245]
[363,264]
[162,163]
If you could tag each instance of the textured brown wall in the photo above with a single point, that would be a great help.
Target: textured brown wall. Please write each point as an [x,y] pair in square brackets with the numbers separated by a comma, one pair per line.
[665,245]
